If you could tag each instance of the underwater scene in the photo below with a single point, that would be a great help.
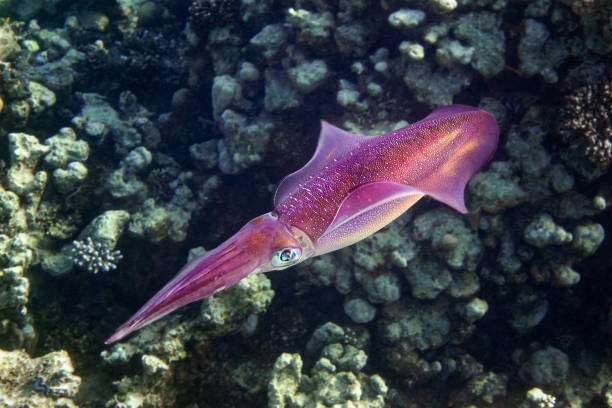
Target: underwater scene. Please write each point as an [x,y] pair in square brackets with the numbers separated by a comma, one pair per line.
[427,183]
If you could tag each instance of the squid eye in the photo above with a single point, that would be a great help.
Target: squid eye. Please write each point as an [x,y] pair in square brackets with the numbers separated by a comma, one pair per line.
[286,256]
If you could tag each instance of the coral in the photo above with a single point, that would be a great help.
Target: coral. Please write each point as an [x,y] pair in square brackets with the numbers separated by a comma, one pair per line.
[22,178]
[97,119]
[540,53]
[155,222]
[360,310]
[271,40]
[543,231]
[427,278]
[418,327]
[41,98]
[65,148]
[178,107]
[66,156]
[94,256]
[434,86]
[414,336]
[354,38]
[226,314]
[161,345]
[540,398]
[21,196]
[334,380]
[309,75]
[15,291]
[451,51]
[9,47]
[46,381]
[451,239]
[204,155]
[484,387]
[280,92]
[69,179]
[313,29]
[482,31]
[496,189]
[204,14]
[235,153]
[443,6]
[225,92]
[530,309]
[586,125]
[414,51]
[588,238]
[405,19]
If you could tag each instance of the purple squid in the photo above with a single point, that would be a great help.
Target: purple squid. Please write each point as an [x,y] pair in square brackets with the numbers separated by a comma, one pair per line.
[352,187]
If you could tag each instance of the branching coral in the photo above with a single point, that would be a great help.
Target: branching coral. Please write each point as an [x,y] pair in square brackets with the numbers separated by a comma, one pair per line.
[94,256]
[587,122]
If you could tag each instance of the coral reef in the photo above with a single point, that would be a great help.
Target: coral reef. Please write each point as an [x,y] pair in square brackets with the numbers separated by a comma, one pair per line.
[161,346]
[137,129]
[335,379]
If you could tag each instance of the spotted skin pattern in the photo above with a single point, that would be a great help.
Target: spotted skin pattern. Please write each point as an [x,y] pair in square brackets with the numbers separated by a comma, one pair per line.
[420,155]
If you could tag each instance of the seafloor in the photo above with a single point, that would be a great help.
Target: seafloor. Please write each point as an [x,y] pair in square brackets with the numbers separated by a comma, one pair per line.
[132,131]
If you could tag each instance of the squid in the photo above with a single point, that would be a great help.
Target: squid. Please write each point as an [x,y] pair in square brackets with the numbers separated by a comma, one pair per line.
[352,187]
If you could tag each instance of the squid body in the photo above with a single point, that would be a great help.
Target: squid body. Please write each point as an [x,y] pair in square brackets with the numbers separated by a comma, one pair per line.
[352,187]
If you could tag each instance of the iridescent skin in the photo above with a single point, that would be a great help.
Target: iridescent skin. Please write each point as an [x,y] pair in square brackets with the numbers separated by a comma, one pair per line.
[353,186]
